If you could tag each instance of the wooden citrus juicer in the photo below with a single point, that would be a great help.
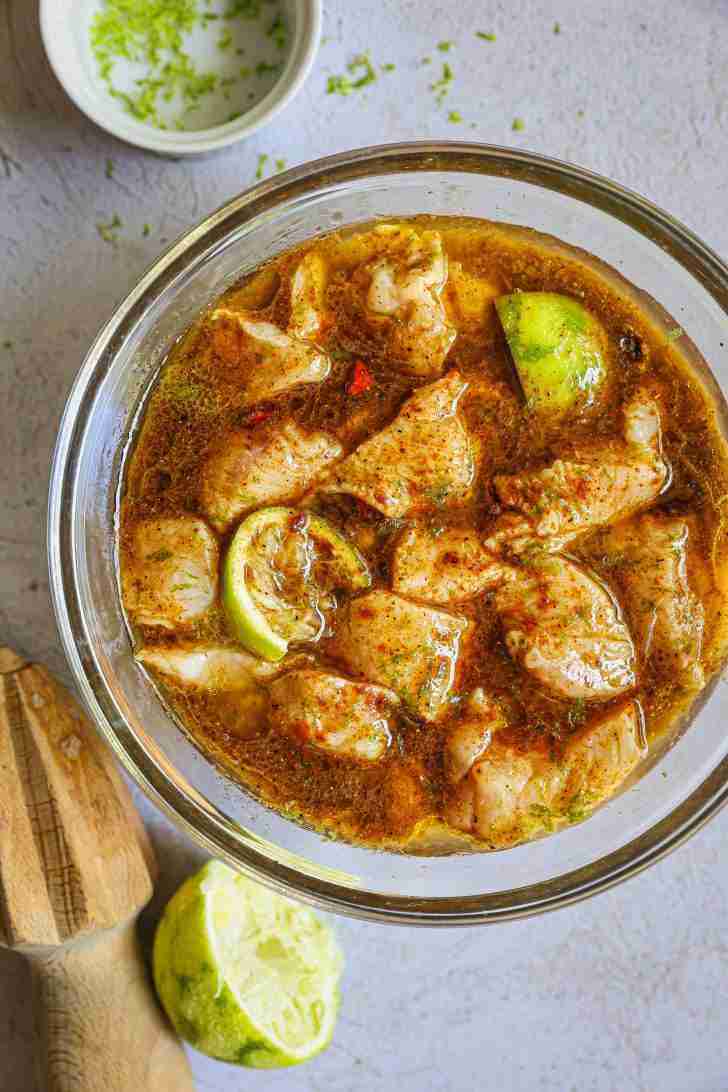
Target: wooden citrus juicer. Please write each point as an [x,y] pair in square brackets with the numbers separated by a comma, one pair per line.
[76,868]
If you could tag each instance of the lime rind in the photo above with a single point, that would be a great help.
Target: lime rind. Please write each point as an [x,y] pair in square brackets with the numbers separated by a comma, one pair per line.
[250,624]
[557,347]
[245,975]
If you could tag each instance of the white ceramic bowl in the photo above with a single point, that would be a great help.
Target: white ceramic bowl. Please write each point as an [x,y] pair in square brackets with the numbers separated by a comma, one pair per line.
[65,29]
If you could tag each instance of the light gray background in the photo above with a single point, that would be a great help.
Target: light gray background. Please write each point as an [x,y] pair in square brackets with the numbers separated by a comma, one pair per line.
[627,991]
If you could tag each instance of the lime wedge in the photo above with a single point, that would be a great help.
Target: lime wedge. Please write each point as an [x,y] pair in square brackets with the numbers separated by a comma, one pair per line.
[558,348]
[245,975]
[280,575]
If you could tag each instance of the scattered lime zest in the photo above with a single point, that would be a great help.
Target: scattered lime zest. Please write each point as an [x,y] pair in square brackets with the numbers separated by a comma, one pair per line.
[442,86]
[518,125]
[455,116]
[153,33]
[110,232]
[278,31]
[265,68]
[343,84]
[146,230]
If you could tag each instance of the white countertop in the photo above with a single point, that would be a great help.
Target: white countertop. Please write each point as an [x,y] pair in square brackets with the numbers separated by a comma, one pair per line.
[628,990]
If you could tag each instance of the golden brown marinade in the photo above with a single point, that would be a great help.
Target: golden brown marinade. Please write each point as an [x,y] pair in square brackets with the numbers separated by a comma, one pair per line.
[198,400]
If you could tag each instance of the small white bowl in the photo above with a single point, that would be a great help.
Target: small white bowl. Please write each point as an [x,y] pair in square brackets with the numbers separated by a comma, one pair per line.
[65,28]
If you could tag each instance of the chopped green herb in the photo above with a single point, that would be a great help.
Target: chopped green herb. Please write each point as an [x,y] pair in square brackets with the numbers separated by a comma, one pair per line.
[455,116]
[557,28]
[262,160]
[225,40]
[8,344]
[427,60]
[109,172]
[580,114]
[485,35]
[442,86]
[389,67]
[245,72]
[146,230]
[675,333]
[445,46]
[280,164]
[160,555]
[518,125]
[110,232]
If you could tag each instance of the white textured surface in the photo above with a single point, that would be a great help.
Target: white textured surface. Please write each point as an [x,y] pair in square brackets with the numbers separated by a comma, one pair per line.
[626,991]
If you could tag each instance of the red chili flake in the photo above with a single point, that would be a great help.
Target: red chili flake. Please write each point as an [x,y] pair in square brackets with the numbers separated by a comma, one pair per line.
[363,379]
[259,415]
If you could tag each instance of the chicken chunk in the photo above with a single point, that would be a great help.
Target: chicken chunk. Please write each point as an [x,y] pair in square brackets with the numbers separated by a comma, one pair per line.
[423,460]
[411,648]
[473,735]
[448,566]
[597,486]
[335,714]
[308,297]
[507,796]
[169,575]
[566,630]
[394,300]
[208,667]
[262,466]
[270,360]
[651,562]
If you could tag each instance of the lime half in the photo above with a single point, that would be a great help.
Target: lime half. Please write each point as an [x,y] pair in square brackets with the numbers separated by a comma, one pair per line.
[281,575]
[245,975]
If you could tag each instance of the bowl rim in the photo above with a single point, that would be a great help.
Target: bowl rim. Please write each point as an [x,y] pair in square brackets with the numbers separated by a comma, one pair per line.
[209,830]
[299,63]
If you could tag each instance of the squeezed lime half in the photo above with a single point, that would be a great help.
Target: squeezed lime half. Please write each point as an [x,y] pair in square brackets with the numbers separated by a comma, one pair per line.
[246,975]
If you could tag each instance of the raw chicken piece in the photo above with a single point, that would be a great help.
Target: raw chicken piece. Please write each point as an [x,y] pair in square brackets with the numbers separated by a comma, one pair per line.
[445,567]
[473,735]
[507,795]
[566,630]
[396,300]
[411,648]
[271,361]
[262,466]
[336,714]
[667,618]
[209,667]
[169,577]
[308,297]
[599,485]
[423,460]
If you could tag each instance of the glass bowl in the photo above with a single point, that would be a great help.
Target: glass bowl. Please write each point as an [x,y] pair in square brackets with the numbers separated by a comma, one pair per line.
[685,783]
